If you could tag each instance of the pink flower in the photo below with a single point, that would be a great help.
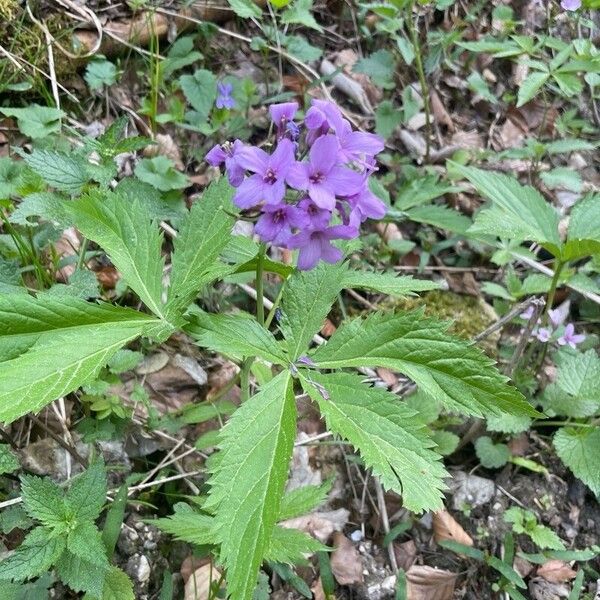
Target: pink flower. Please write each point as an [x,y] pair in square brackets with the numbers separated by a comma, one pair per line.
[569,337]
[571,4]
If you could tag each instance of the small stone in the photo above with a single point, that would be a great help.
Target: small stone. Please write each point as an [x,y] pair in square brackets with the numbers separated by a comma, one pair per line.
[356,536]
[143,570]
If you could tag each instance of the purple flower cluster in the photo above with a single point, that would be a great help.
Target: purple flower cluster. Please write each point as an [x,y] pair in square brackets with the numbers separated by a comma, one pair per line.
[570,4]
[565,336]
[313,188]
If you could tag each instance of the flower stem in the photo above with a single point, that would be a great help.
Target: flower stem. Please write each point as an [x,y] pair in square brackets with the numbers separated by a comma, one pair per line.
[558,267]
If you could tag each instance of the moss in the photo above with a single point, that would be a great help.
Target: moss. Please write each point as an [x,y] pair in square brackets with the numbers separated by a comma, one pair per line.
[470,315]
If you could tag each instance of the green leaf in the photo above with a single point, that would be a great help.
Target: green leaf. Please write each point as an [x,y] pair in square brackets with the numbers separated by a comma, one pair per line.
[187,525]
[544,537]
[506,570]
[235,335]
[491,456]
[579,448]
[302,500]
[569,83]
[87,493]
[39,550]
[43,500]
[480,86]
[200,90]
[117,586]
[567,145]
[204,234]
[289,546]
[36,121]
[583,237]
[129,237]
[247,485]
[8,461]
[100,73]
[562,178]
[529,88]
[28,321]
[298,46]
[160,173]
[440,216]
[380,67]
[81,575]
[245,8]
[387,283]
[60,171]
[518,212]
[300,12]
[447,368]
[305,303]
[508,424]
[85,542]
[114,519]
[387,118]
[446,441]
[10,177]
[391,438]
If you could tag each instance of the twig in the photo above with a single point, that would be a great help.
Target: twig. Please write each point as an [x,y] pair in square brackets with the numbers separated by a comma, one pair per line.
[70,449]
[509,316]
[525,335]
[385,522]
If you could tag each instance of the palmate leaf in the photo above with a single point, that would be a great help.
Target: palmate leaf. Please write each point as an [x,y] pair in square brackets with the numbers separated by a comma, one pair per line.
[391,438]
[132,241]
[517,211]
[204,234]
[247,482]
[306,301]
[27,321]
[237,335]
[447,368]
[579,448]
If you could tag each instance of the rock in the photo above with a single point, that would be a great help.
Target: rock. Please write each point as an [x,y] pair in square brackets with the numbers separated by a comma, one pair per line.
[471,490]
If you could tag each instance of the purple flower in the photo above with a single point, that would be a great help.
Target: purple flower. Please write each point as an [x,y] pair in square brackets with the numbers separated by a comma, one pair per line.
[314,217]
[570,337]
[229,154]
[316,245]
[320,118]
[275,224]
[321,177]
[559,315]
[365,205]
[570,4]
[527,313]
[281,115]
[543,334]
[224,99]
[268,182]
[357,145]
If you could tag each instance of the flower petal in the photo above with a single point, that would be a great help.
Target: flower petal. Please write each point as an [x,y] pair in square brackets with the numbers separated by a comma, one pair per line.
[324,153]
[321,195]
[250,193]
[297,176]
[344,181]
[253,159]
[283,158]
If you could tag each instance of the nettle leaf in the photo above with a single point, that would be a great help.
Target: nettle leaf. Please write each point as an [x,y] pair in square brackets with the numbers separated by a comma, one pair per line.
[380,67]
[517,211]
[40,549]
[81,575]
[87,494]
[245,8]
[237,335]
[440,216]
[302,500]
[36,121]
[84,541]
[8,461]
[583,237]
[28,321]
[300,12]
[100,73]
[160,172]
[187,525]
[530,87]
[200,90]
[10,177]
[305,303]
[46,205]
[579,448]
[203,236]
[289,546]
[248,481]
[298,46]
[391,438]
[387,283]
[447,368]
[43,500]
[117,586]
[387,118]
[491,456]
[65,172]
[129,237]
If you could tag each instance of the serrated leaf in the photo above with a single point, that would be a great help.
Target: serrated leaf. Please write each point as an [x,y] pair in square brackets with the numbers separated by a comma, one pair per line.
[204,234]
[117,586]
[237,335]
[517,212]
[452,371]
[544,537]
[302,500]
[8,461]
[160,172]
[245,8]
[440,216]
[387,283]
[10,176]
[583,237]
[257,440]
[567,145]
[379,66]
[579,448]
[298,46]
[39,550]
[387,118]
[491,456]
[200,90]
[390,437]
[290,546]
[60,171]
[36,121]
[188,526]
[100,73]
[300,12]
[81,575]
[530,86]
[46,205]
[306,301]
[132,241]
[508,424]
[85,542]
[446,441]
[87,494]
[579,375]
[43,500]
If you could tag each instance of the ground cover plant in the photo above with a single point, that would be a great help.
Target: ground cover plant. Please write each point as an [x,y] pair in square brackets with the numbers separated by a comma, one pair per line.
[300,299]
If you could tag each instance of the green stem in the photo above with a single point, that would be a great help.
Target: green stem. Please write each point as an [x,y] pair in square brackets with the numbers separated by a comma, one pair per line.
[82,251]
[558,267]
[412,30]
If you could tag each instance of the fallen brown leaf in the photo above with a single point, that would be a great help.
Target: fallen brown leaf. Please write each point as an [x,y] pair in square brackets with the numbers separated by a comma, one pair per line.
[556,571]
[427,583]
[445,527]
[319,524]
[199,584]
[442,116]
[346,564]
[406,554]
[165,145]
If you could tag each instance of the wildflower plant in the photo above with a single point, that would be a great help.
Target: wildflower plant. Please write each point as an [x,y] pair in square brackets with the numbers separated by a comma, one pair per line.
[307,191]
